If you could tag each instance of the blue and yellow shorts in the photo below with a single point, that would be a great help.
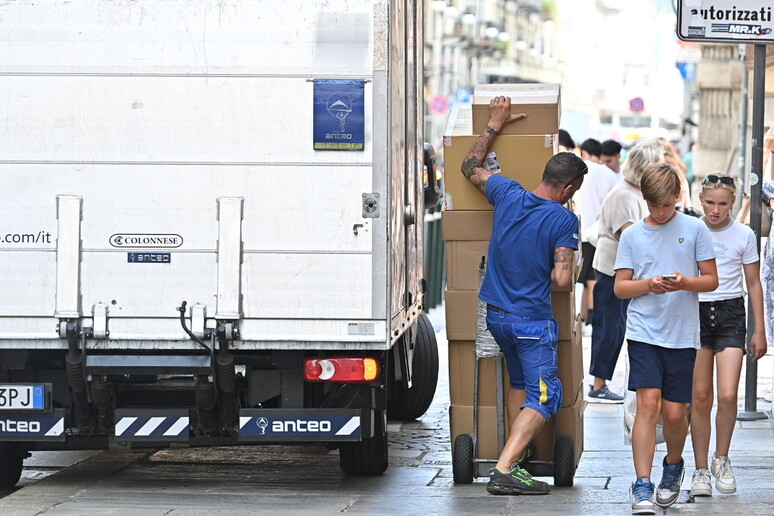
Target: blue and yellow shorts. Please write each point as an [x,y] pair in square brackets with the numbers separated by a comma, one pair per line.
[529,346]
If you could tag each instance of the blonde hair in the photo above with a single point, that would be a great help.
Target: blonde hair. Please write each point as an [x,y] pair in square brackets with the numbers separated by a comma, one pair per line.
[660,182]
[641,156]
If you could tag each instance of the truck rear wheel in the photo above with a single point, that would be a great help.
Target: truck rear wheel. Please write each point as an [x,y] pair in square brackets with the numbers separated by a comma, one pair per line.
[412,403]
[369,456]
[11,461]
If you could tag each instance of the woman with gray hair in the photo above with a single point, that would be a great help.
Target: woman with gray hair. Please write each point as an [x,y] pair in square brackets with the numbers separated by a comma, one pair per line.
[622,207]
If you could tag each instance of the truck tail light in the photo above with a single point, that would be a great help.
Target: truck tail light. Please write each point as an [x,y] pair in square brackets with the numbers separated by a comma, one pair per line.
[341,369]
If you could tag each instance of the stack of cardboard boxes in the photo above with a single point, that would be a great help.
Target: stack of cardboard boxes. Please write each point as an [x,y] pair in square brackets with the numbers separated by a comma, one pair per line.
[520,151]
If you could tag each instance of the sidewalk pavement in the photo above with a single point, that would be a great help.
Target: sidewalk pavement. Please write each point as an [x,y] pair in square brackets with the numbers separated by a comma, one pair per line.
[606,470]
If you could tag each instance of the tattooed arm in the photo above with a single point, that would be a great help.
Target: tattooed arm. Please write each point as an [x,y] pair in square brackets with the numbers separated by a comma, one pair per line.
[561,274]
[473,164]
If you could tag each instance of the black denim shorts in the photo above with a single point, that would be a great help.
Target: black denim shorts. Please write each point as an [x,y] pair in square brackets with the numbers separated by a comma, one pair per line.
[723,324]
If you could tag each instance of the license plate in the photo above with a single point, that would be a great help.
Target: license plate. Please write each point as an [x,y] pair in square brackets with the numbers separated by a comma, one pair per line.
[22,397]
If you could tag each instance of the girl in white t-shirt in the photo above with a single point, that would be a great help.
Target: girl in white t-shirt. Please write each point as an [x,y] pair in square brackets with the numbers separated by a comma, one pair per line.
[723,331]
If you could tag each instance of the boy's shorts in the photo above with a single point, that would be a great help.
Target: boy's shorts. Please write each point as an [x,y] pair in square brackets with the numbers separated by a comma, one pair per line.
[723,324]
[670,370]
[529,346]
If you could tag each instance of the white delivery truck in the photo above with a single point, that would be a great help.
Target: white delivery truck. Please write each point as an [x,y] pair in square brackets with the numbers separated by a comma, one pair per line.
[211,230]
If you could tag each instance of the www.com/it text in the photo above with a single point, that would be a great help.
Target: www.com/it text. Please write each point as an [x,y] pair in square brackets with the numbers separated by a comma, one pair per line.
[41,237]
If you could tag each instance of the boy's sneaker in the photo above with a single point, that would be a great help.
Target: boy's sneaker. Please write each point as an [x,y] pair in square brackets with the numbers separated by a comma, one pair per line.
[516,482]
[669,487]
[724,478]
[701,484]
[603,395]
[642,497]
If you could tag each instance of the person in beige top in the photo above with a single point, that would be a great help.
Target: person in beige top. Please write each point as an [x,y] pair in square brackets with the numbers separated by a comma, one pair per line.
[622,207]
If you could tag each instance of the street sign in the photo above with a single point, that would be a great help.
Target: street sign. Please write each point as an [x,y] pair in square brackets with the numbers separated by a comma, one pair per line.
[439,104]
[637,105]
[724,21]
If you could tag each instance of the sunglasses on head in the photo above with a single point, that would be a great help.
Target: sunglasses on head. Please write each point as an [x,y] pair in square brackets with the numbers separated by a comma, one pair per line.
[712,178]
[583,173]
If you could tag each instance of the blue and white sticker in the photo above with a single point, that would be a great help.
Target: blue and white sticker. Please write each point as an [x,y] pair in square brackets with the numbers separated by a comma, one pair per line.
[300,425]
[49,427]
[157,258]
[339,114]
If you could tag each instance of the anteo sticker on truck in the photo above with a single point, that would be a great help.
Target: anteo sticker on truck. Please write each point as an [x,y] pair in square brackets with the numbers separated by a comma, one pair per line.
[142,240]
[48,427]
[339,121]
[278,425]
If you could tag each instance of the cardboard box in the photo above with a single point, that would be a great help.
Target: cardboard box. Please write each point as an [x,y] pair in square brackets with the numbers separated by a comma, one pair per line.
[563,304]
[467,235]
[461,308]
[541,103]
[462,363]
[467,225]
[461,419]
[522,158]
[463,259]
[571,371]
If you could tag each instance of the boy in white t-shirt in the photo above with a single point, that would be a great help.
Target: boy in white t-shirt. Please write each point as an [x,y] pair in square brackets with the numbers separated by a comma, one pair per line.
[723,331]
[663,262]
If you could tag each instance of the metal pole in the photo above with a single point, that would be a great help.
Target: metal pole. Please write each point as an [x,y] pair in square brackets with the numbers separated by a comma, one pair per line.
[759,78]
[744,177]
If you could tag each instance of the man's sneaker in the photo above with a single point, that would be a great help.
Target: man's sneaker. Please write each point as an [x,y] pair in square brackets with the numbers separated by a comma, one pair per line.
[603,395]
[701,483]
[669,487]
[516,482]
[724,478]
[642,497]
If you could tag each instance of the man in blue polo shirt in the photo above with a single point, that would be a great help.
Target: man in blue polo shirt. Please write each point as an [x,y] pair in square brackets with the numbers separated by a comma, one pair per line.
[533,240]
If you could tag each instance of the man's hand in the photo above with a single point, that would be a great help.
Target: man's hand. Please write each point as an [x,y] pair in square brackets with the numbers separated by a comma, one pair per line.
[500,113]
[473,165]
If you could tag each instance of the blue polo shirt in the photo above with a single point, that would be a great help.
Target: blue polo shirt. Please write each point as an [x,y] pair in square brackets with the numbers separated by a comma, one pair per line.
[526,231]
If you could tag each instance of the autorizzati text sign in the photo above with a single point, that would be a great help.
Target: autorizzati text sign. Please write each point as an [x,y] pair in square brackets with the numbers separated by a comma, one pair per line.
[724,21]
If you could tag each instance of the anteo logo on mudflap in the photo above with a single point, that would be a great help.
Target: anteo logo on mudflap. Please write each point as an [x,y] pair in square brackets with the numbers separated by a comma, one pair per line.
[145,240]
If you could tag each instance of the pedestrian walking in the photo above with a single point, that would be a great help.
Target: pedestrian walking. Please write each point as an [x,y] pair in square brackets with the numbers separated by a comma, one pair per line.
[622,207]
[723,330]
[663,262]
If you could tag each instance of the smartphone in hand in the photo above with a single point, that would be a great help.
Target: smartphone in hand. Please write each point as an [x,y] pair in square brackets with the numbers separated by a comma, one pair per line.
[669,276]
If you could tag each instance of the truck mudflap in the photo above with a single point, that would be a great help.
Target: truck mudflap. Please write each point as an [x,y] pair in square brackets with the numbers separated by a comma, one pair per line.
[33,427]
[303,425]
[154,425]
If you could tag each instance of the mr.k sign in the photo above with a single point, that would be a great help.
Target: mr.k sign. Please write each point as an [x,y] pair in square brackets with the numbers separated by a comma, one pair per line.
[725,21]
[339,122]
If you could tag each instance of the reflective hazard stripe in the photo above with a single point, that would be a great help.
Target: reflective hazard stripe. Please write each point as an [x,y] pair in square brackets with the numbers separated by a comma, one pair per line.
[152,424]
[178,427]
[123,424]
[156,426]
